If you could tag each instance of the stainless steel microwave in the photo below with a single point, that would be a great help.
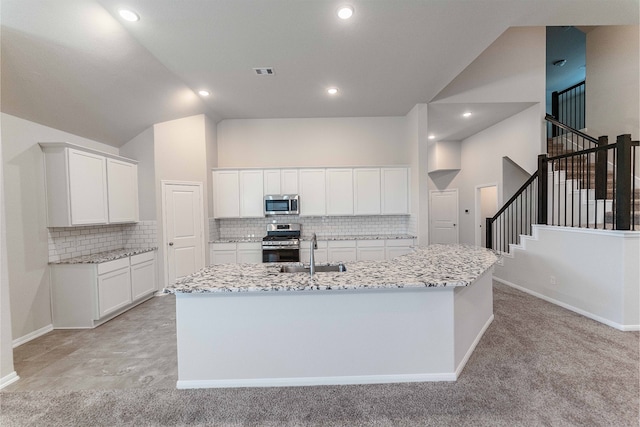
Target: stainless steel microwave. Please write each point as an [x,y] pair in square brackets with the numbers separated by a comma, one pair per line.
[281,204]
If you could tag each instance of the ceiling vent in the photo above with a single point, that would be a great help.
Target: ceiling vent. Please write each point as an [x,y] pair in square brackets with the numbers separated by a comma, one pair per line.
[264,71]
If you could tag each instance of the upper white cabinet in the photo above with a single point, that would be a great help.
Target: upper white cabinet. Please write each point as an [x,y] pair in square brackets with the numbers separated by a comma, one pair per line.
[312,192]
[366,191]
[281,181]
[226,194]
[122,185]
[395,191]
[251,193]
[339,191]
[238,193]
[87,187]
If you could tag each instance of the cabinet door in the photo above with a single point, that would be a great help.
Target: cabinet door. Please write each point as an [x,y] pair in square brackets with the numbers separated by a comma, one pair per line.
[114,291]
[87,188]
[366,191]
[251,194]
[397,247]
[223,257]
[143,279]
[342,254]
[312,192]
[272,181]
[122,184]
[395,191]
[250,256]
[339,191]
[289,181]
[226,197]
[371,250]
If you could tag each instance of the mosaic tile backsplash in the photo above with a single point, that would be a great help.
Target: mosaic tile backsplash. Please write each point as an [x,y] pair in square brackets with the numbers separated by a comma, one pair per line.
[70,242]
[323,226]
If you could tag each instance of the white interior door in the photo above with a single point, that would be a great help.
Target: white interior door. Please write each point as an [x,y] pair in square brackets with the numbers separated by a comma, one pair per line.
[183,209]
[486,207]
[444,216]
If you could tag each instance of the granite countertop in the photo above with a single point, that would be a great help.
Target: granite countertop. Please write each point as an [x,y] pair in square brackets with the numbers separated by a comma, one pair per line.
[343,237]
[430,266]
[104,256]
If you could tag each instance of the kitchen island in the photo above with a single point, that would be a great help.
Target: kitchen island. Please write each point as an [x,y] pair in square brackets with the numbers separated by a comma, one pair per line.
[416,317]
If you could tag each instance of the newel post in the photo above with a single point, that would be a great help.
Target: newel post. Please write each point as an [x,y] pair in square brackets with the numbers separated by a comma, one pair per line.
[542,188]
[601,170]
[623,182]
[489,233]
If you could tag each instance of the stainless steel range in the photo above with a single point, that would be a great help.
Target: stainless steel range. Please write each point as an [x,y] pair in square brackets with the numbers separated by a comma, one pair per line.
[282,243]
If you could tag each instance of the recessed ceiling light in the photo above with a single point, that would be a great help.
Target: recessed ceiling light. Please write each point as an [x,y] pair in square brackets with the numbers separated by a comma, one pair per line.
[432,137]
[204,92]
[345,12]
[129,15]
[467,114]
[332,90]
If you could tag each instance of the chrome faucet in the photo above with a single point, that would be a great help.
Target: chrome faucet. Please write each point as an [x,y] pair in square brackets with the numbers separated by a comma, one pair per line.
[312,258]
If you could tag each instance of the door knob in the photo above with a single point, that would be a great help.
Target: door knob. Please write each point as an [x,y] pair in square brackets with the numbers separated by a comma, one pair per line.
[170,243]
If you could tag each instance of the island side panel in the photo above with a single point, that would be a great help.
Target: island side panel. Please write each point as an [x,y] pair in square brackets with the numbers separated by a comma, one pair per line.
[473,315]
[316,337]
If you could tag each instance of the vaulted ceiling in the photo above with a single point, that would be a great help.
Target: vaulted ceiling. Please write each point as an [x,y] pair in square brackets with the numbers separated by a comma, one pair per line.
[75,65]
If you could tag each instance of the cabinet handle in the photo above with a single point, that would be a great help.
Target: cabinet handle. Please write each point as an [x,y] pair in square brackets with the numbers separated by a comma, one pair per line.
[170,243]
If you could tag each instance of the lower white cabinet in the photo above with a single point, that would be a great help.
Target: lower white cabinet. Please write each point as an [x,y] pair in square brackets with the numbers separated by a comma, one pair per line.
[87,295]
[342,251]
[320,254]
[235,253]
[397,247]
[370,250]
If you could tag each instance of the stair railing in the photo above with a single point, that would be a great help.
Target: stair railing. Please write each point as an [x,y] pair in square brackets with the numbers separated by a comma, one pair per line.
[569,107]
[596,187]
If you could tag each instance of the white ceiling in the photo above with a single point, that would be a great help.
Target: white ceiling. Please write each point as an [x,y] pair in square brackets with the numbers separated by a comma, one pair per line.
[76,66]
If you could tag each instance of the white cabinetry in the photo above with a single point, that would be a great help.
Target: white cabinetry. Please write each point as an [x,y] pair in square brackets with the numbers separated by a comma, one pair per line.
[342,251]
[232,253]
[312,192]
[249,253]
[339,191]
[395,191]
[226,194]
[87,187]
[122,184]
[114,286]
[366,191]
[251,193]
[87,295]
[397,247]
[320,254]
[370,250]
[281,181]
[143,274]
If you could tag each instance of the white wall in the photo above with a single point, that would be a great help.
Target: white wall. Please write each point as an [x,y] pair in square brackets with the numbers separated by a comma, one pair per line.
[211,136]
[355,141]
[613,86]
[7,372]
[597,272]
[416,137]
[27,245]
[180,152]
[141,149]
[517,137]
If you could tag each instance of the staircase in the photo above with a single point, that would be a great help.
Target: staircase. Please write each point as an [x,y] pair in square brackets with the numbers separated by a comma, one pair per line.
[582,182]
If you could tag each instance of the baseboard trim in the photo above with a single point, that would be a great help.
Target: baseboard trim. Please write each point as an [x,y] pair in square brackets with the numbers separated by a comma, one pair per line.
[312,381]
[32,335]
[466,357]
[8,379]
[618,326]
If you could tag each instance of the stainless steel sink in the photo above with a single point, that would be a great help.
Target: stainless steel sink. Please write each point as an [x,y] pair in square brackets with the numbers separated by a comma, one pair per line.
[319,268]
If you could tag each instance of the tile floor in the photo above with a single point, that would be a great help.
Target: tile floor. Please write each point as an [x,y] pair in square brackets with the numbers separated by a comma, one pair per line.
[136,349]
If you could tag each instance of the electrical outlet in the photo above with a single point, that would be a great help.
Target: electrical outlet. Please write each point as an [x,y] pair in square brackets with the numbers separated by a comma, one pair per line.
[552,280]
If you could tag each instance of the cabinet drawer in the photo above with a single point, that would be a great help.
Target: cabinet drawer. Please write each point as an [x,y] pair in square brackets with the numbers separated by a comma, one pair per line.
[342,243]
[370,243]
[399,242]
[139,258]
[117,264]
[245,246]
[223,246]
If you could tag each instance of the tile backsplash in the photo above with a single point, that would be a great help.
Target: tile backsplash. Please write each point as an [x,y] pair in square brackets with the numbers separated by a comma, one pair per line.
[323,226]
[70,242]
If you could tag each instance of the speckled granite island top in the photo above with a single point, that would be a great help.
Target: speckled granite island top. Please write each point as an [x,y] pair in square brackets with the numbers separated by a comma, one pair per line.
[430,266]
[104,256]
